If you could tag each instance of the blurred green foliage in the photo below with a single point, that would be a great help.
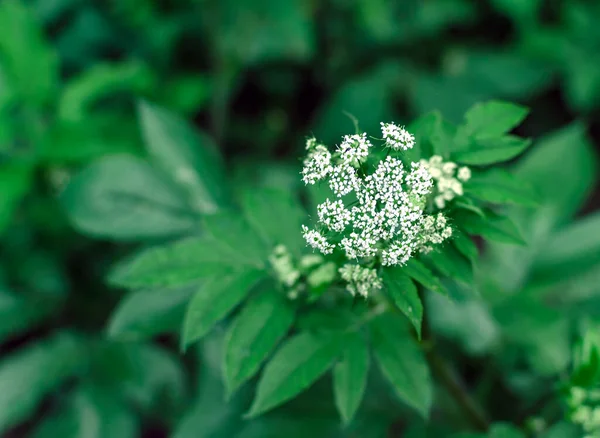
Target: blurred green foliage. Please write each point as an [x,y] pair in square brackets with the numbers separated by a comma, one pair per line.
[81,356]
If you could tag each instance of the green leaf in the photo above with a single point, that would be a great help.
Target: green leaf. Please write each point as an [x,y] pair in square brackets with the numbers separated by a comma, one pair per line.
[487,151]
[29,59]
[572,250]
[124,198]
[493,118]
[465,245]
[182,262]
[18,313]
[424,129]
[500,430]
[421,274]
[235,233]
[90,413]
[42,367]
[501,187]
[493,227]
[350,376]
[144,314]
[100,81]
[452,263]
[253,335]
[276,216]
[15,181]
[296,365]
[213,301]
[402,362]
[189,157]
[404,293]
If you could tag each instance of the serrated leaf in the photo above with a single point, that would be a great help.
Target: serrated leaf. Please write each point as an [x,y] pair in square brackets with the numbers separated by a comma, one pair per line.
[491,150]
[124,198]
[43,367]
[90,414]
[493,118]
[350,376]
[276,216]
[253,335]
[296,365]
[405,296]
[424,129]
[421,274]
[493,227]
[213,301]
[144,314]
[189,157]
[402,362]
[501,187]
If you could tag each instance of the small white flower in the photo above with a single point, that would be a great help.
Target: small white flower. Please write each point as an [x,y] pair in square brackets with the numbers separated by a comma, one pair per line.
[436,161]
[354,148]
[396,137]
[439,202]
[448,169]
[361,281]
[456,187]
[464,174]
[343,179]
[334,215]
[317,164]
[316,240]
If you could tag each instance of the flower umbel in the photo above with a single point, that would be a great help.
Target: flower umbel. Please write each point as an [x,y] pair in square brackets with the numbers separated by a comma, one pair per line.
[379,214]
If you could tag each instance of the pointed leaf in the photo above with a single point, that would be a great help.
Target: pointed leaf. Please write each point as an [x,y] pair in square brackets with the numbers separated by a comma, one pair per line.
[404,293]
[350,376]
[421,274]
[214,300]
[501,187]
[493,227]
[494,118]
[402,362]
[253,335]
[465,245]
[452,263]
[189,157]
[296,365]
[493,150]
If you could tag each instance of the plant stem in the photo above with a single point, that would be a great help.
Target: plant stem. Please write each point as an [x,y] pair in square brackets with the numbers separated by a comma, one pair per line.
[451,382]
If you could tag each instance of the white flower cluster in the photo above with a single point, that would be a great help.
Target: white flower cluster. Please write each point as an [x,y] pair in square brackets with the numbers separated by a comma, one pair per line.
[317,164]
[396,137]
[360,280]
[387,217]
[283,266]
[585,410]
[448,180]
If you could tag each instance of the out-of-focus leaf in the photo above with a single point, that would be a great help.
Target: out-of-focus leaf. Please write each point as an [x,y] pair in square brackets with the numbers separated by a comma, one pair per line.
[253,32]
[90,414]
[465,245]
[366,98]
[253,335]
[30,374]
[350,376]
[98,82]
[501,430]
[124,198]
[452,263]
[402,362]
[29,59]
[19,313]
[277,217]
[493,227]
[295,366]
[15,180]
[214,300]
[404,294]
[189,157]
[146,313]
